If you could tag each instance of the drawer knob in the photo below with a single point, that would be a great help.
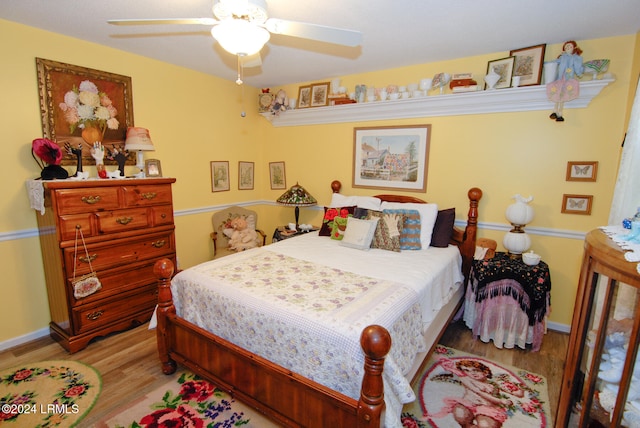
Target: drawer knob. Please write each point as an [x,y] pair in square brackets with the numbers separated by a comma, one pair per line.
[149,195]
[90,199]
[163,216]
[158,244]
[94,315]
[124,220]
[88,259]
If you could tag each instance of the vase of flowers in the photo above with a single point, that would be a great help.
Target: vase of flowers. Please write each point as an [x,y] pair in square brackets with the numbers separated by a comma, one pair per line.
[86,108]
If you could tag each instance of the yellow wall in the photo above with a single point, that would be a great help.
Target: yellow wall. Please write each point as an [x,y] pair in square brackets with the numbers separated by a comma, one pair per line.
[195,118]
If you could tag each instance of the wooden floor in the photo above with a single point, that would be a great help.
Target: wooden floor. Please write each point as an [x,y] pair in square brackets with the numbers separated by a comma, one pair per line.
[129,365]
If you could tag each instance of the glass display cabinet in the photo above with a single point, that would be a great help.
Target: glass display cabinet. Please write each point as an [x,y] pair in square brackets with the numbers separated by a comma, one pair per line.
[601,384]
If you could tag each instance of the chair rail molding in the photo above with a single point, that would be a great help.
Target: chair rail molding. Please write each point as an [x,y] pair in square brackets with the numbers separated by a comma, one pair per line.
[526,98]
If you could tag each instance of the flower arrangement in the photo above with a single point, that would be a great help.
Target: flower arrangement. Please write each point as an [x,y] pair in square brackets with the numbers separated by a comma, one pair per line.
[86,107]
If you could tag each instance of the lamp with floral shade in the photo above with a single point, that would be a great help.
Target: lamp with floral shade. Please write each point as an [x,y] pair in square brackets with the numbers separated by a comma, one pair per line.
[297,196]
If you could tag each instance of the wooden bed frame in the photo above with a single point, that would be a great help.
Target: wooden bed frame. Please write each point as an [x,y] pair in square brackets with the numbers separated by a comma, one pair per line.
[282,395]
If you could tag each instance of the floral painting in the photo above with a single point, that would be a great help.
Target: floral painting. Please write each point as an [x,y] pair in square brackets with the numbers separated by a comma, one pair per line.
[81,106]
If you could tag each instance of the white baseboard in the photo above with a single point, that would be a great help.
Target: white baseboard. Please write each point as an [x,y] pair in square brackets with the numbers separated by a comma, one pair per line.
[20,340]
[562,328]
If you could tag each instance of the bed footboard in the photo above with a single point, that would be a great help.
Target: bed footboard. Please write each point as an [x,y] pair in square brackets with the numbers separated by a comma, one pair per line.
[284,396]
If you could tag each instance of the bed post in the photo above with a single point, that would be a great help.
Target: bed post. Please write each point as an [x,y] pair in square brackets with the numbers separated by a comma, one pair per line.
[376,343]
[163,269]
[468,247]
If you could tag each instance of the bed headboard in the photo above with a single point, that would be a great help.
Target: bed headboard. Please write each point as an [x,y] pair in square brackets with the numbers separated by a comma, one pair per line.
[465,238]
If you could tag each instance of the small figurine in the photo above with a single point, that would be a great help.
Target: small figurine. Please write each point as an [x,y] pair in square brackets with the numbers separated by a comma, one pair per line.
[77,152]
[97,152]
[566,86]
[118,154]
[280,102]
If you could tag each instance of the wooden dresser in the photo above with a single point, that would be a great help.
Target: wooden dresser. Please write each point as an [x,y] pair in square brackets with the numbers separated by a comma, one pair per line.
[127,225]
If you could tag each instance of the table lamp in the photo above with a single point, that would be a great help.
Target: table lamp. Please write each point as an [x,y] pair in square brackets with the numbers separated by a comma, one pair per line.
[138,139]
[297,197]
[520,213]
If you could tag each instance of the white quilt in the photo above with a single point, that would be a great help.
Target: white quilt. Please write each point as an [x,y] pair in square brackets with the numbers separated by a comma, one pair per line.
[303,303]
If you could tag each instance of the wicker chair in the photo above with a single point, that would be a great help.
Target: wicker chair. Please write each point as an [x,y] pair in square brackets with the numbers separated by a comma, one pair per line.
[220,221]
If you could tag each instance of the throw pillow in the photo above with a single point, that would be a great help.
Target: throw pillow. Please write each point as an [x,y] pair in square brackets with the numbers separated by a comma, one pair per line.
[410,233]
[369,202]
[385,237]
[428,214]
[339,227]
[443,228]
[329,214]
[359,233]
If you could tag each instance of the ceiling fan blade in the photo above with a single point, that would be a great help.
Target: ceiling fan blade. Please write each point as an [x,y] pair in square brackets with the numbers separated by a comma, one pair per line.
[320,33]
[249,61]
[163,21]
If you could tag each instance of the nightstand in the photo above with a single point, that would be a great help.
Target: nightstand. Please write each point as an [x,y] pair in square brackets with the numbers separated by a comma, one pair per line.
[281,233]
[508,301]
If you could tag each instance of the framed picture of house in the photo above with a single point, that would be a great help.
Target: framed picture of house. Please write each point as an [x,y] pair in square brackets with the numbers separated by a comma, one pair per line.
[528,64]
[245,175]
[304,97]
[80,106]
[577,204]
[504,67]
[391,157]
[582,171]
[277,175]
[219,176]
[320,94]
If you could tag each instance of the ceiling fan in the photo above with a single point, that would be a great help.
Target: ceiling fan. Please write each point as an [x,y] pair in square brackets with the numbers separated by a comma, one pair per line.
[242,27]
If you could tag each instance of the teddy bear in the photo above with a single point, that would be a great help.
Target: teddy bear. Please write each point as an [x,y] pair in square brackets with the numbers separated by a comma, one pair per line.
[242,238]
[280,102]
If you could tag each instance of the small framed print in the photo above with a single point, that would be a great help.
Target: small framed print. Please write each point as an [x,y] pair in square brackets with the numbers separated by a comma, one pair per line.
[219,176]
[304,97]
[245,175]
[320,94]
[528,64]
[504,67]
[277,176]
[577,204]
[582,171]
[152,168]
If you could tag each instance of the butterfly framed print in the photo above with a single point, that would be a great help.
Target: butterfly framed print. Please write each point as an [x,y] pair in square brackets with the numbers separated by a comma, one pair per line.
[577,204]
[582,171]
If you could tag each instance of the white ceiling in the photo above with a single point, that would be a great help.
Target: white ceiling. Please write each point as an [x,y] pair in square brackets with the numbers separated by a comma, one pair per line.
[395,33]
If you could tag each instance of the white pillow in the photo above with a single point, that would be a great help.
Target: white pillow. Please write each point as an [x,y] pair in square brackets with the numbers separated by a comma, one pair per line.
[368,202]
[359,233]
[428,215]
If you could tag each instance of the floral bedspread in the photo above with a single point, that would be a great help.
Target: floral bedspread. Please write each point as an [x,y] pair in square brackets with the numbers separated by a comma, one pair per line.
[305,316]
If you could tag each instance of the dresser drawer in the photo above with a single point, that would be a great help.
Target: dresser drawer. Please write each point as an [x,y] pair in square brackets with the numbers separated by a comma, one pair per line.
[119,281]
[122,220]
[135,196]
[99,314]
[119,252]
[162,215]
[72,201]
[70,223]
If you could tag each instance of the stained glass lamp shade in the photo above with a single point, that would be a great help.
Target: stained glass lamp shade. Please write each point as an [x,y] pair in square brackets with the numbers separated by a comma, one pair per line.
[297,196]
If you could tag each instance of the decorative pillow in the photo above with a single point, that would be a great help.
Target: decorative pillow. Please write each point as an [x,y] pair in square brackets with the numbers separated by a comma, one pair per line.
[361,213]
[339,227]
[385,238]
[369,202]
[410,233]
[359,233]
[330,214]
[428,214]
[443,228]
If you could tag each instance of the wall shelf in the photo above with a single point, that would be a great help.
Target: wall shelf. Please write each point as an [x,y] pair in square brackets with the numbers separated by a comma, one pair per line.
[527,98]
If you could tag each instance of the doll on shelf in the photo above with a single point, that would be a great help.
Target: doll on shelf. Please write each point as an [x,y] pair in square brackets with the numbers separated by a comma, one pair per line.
[566,86]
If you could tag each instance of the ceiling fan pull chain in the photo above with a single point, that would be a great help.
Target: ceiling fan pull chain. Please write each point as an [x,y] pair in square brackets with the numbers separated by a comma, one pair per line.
[239,80]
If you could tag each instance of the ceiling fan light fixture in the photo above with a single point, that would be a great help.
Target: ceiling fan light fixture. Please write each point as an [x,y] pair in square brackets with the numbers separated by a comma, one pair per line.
[240,37]
[253,10]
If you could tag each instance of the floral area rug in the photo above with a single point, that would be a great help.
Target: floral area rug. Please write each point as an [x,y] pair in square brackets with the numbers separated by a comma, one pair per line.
[186,401]
[458,389]
[47,394]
